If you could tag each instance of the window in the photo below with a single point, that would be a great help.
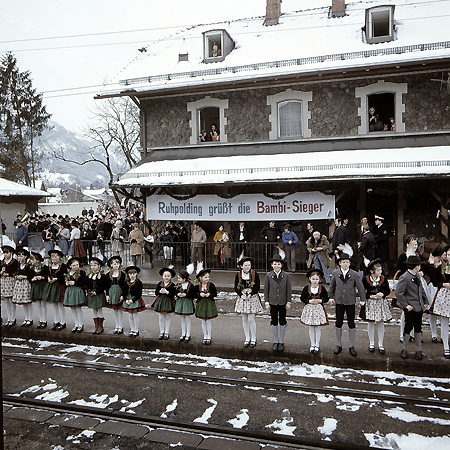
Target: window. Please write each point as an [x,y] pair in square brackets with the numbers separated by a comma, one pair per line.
[380,24]
[204,114]
[217,44]
[289,114]
[290,119]
[387,100]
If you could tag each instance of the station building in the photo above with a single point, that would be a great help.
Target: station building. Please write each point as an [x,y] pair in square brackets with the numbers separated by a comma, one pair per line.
[348,103]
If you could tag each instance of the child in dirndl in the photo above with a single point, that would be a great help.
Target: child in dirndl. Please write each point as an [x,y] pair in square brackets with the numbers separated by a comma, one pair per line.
[22,286]
[9,267]
[55,288]
[165,300]
[184,305]
[38,281]
[376,305]
[206,308]
[133,303]
[116,291]
[248,303]
[314,295]
[441,302]
[96,299]
[75,296]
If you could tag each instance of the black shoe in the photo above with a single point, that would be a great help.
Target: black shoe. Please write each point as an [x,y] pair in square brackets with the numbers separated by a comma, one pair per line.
[43,324]
[136,333]
[434,340]
[166,337]
[132,334]
[352,351]
[275,347]
[29,323]
[39,326]
[187,339]
[116,330]
[120,331]
[208,341]
[24,324]
[246,344]
[252,344]
[55,326]
[61,326]
[447,354]
[74,329]
[204,342]
[419,355]
[161,336]
[404,354]
[337,350]
[80,329]
[182,338]
[371,348]
[381,350]
[280,347]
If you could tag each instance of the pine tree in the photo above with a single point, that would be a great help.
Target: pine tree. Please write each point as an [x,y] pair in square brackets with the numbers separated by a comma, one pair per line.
[23,117]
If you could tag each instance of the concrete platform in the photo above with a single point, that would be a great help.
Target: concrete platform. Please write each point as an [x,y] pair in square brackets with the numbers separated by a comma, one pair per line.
[228,338]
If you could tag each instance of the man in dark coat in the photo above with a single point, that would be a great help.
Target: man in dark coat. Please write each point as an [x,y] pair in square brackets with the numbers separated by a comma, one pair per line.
[381,235]
[366,246]
[241,235]
[339,236]
[270,234]
[21,233]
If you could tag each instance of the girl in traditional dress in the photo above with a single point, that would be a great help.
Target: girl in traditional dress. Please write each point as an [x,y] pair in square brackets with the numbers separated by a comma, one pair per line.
[75,296]
[184,305]
[165,300]
[63,236]
[22,286]
[9,267]
[96,299]
[377,306]
[314,295]
[116,291]
[206,308]
[55,288]
[441,302]
[38,282]
[248,303]
[133,303]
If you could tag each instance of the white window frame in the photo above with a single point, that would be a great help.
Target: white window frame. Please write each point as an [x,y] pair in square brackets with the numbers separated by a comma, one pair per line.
[381,87]
[289,95]
[371,39]
[279,121]
[207,102]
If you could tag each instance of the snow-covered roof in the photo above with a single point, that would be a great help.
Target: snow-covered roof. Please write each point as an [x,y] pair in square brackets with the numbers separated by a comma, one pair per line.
[308,40]
[338,165]
[10,188]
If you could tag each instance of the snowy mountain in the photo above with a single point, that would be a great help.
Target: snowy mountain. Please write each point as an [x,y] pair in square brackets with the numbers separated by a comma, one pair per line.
[56,143]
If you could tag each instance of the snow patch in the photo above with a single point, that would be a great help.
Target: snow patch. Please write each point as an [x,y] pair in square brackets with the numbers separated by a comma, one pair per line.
[328,427]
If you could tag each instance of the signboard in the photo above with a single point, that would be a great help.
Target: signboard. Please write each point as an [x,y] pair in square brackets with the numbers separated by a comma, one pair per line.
[242,208]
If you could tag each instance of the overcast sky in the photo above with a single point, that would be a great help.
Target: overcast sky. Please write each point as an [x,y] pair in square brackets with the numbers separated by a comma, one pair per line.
[73,46]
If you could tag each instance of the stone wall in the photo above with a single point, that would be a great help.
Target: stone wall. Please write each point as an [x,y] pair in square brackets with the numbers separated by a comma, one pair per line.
[334,110]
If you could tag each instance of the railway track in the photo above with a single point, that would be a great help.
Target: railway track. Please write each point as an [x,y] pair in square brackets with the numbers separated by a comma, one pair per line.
[396,395]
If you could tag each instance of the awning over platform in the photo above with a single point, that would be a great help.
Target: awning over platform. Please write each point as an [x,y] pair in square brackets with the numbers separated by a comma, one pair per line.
[347,165]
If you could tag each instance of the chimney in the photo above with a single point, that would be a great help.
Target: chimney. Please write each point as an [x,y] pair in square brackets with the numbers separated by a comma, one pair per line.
[273,12]
[338,8]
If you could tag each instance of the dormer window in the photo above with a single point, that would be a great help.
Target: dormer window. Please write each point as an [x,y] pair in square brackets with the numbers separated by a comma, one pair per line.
[217,44]
[380,24]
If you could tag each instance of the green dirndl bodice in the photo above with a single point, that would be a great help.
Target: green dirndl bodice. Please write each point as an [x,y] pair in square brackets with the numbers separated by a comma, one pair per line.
[163,304]
[52,292]
[184,306]
[37,289]
[96,301]
[74,296]
[206,309]
[115,291]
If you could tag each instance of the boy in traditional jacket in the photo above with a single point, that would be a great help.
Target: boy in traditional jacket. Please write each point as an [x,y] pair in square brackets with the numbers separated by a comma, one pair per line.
[342,293]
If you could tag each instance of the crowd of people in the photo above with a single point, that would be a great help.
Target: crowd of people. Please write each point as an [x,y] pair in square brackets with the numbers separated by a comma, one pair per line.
[41,278]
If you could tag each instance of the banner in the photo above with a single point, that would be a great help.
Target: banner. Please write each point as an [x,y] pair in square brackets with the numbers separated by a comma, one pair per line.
[242,208]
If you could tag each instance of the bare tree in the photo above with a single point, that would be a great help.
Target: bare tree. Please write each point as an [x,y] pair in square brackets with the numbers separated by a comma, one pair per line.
[113,129]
